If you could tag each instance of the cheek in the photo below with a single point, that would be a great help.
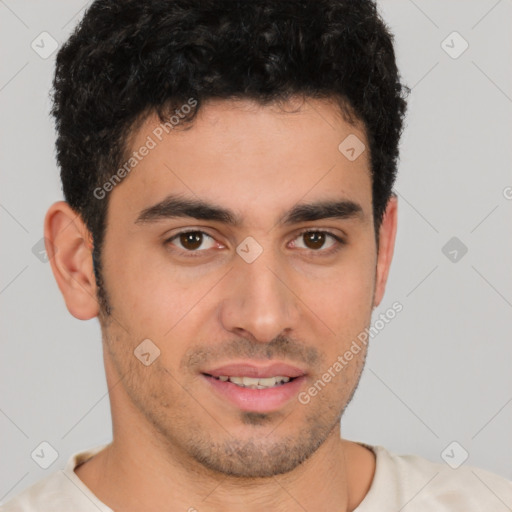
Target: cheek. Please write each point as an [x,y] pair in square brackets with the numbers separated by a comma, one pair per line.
[344,304]
[142,286]
[155,301]
[345,296]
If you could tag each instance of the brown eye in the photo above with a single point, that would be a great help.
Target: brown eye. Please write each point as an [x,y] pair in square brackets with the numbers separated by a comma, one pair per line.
[191,241]
[316,240]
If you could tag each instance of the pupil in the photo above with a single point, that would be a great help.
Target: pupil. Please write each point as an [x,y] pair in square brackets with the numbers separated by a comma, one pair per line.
[191,240]
[317,240]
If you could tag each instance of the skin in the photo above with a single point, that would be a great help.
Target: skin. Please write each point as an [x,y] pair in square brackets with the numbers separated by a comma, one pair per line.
[173,437]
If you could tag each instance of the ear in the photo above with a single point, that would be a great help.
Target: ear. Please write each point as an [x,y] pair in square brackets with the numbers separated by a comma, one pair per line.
[387,235]
[69,248]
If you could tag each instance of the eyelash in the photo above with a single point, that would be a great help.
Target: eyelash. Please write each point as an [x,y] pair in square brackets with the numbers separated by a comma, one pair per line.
[319,252]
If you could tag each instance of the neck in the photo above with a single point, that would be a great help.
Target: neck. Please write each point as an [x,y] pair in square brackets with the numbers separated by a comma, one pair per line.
[140,473]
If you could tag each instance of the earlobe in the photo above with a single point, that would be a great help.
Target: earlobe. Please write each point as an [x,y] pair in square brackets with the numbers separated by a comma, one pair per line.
[387,234]
[69,245]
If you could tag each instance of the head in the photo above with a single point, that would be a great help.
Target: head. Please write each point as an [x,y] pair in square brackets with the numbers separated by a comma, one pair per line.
[238,123]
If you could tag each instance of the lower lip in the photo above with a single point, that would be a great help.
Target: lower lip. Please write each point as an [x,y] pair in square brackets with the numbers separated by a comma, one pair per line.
[256,400]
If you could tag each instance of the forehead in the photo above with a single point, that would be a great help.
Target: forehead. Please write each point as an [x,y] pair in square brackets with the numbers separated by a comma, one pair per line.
[253,158]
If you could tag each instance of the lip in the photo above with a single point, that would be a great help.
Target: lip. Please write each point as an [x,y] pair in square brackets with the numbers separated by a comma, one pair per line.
[256,400]
[251,370]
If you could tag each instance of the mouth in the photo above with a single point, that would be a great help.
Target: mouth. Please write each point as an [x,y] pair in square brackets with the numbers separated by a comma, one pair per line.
[254,383]
[254,388]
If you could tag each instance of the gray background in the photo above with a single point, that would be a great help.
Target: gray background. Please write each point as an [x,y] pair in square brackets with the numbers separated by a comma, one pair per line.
[438,373]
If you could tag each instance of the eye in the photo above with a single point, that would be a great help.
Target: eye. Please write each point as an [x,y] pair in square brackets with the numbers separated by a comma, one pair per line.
[314,240]
[196,241]
[191,241]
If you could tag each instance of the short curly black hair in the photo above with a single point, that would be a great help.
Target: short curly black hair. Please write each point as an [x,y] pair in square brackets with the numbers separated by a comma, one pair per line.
[128,58]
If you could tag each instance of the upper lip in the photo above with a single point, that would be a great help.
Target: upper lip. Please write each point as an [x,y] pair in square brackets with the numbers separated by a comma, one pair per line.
[252,370]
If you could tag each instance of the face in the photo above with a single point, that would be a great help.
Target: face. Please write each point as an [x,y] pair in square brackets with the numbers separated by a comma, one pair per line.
[241,247]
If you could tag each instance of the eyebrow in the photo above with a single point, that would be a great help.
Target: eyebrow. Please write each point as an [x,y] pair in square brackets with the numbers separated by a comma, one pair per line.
[178,207]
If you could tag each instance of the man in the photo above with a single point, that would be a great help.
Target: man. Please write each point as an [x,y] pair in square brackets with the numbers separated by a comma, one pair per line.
[228,170]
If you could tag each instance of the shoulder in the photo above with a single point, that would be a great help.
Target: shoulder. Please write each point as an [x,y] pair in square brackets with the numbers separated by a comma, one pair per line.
[415,483]
[48,494]
[61,491]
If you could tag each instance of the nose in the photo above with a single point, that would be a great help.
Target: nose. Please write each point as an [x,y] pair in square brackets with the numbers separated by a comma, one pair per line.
[261,302]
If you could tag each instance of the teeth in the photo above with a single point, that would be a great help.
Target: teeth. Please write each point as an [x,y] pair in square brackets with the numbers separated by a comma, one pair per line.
[255,383]
[250,382]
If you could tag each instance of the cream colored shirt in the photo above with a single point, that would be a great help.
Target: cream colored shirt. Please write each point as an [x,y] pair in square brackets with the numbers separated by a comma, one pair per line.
[406,483]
